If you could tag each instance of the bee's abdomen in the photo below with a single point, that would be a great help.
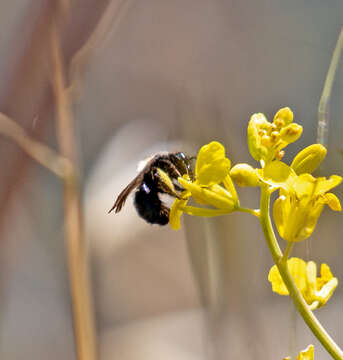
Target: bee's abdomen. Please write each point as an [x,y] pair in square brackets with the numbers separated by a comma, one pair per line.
[150,207]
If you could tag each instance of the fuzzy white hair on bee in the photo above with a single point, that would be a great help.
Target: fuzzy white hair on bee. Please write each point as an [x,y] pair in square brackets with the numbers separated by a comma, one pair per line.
[142,163]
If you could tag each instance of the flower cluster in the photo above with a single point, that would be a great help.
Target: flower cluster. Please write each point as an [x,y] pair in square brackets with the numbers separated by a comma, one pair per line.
[266,140]
[301,199]
[301,196]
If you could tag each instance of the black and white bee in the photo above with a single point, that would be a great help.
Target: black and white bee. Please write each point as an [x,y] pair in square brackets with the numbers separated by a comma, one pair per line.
[158,176]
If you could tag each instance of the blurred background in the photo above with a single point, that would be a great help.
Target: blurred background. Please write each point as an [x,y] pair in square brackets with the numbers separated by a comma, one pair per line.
[142,77]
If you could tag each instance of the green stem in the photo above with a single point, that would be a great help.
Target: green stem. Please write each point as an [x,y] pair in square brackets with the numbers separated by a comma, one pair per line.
[294,293]
[255,212]
[287,251]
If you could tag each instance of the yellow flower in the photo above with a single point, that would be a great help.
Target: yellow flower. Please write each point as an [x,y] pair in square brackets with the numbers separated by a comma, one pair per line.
[211,166]
[266,140]
[301,201]
[175,213]
[302,198]
[211,169]
[315,290]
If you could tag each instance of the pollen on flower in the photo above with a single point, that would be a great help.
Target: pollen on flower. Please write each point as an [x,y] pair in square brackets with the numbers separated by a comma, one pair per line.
[279,123]
[279,155]
[275,136]
[265,140]
[262,132]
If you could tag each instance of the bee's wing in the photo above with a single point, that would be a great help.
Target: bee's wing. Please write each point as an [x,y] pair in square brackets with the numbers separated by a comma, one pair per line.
[119,203]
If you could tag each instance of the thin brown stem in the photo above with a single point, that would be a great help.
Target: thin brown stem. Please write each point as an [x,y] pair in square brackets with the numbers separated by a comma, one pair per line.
[47,157]
[77,255]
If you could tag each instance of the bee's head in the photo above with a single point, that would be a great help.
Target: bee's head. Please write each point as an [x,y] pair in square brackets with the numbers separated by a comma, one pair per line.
[185,163]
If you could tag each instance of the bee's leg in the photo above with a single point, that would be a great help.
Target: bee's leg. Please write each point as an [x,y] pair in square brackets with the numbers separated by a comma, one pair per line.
[169,167]
[178,187]
[173,171]
[164,183]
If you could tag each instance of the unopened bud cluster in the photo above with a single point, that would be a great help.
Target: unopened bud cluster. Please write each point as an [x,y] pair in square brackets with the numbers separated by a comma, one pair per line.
[266,140]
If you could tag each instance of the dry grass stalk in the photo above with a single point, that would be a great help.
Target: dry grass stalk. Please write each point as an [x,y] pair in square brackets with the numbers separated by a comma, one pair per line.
[76,250]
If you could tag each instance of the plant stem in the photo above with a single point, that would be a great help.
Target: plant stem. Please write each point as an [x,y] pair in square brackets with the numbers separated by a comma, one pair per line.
[255,212]
[294,293]
[323,107]
[82,307]
[287,251]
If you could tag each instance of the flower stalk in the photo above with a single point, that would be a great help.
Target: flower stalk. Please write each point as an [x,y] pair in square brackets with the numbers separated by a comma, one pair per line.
[298,300]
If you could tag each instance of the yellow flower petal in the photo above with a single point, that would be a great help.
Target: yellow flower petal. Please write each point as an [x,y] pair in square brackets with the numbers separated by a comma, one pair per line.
[230,187]
[257,123]
[297,268]
[215,195]
[175,214]
[309,293]
[277,173]
[325,276]
[211,166]
[333,201]
[324,185]
[281,210]
[275,279]
[307,354]
[325,285]
[304,185]
[326,292]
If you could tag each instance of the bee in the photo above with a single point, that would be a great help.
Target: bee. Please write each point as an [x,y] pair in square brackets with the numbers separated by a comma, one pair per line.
[158,176]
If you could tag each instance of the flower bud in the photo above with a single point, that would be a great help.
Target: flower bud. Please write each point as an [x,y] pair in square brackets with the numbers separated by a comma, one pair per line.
[284,114]
[244,175]
[291,133]
[266,140]
[257,124]
[309,159]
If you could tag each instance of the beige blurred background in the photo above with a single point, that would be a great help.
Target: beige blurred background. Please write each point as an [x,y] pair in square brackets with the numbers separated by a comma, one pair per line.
[146,76]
